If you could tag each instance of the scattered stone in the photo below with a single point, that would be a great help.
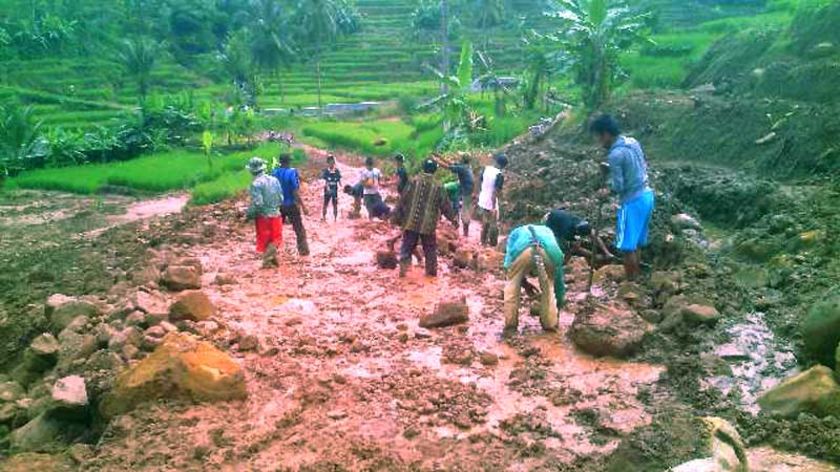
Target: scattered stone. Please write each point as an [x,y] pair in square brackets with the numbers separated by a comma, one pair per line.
[135,318]
[181,277]
[488,358]
[612,272]
[74,346]
[700,314]
[402,337]
[608,330]
[225,279]
[182,367]
[43,433]
[130,351]
[120,339]
[422,333]
[386,260]
[337,414]
[446,314]
[10,392]
[813,391]
[79,324]
[45,347]
[153,302]
[731,352]
[60,310]
[249,342]
[685,221]
[168,327]
[724,444]
[145,275]
[464,258]
[192,306]
[821,331]
[155,332]
[70,394]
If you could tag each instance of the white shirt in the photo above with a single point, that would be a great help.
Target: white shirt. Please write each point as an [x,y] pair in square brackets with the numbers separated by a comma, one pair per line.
[375,175]
[487,197]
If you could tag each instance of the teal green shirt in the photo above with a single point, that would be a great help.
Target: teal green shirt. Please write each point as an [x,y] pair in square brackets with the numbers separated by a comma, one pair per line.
[521,239]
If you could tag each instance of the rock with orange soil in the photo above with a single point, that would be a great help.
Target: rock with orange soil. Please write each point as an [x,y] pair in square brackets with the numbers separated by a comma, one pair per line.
[446,314]
[181,367]
[814,391]
[608,330]
[192,306]
[181,277]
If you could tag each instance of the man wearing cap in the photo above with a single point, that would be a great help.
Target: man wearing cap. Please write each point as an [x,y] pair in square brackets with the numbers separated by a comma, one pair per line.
[533,249]
[266,198]
[418,213]
[292,203]
[492,180]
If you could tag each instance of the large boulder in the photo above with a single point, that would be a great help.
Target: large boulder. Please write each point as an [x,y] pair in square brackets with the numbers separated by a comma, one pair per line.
[813,391]
[192,306]
[60,310]
[69,395]
[181,367]
[821,331]
[608,330]
[181,277]
[446,314]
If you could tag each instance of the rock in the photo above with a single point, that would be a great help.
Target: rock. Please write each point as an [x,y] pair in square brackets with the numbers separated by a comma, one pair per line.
[724,444]
[168,327]
[130,351]
[489,260]
[192,306]
[135,318]
[813,391]
[386,260]
[225,279]
[608,330]
[463,258]
[667,283]
[446,314]
[45,347]
[74,346]
[41,355]
[79,324]
[488,358]
[700,314]
[249,343]
[612,272]
[69,394]
[181,277]
[120,339]
[60,310]
[181,367]
[422,333]
[821,331]
[149,302]
[337,414]
[155,332]
[10,392]
[684,221]
[145,275]
[10,413]
[44,433]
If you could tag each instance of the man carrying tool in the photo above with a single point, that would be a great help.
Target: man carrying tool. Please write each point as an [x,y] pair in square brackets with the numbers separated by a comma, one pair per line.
[466,181]
[292,203]
[332,179]
[492,180]
[628,179]
[418,213]
[533,249]
[266,197]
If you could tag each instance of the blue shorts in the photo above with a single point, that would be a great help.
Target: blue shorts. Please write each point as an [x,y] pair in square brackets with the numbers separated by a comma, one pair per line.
[633,221]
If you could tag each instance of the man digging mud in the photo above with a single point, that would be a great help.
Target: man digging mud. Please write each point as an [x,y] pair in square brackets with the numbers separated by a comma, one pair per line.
[569,229]
[628,179]
[418,213]
[266,197]
[492,180]
[292,203]
[533,249]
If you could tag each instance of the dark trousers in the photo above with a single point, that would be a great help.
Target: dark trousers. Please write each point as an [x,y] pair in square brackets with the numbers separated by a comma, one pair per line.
[291,214]
[330,197]
[429,241]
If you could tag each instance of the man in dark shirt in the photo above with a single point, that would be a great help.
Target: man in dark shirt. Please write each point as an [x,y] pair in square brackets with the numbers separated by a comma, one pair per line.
[466,181]
[568,228]
[292,203]
[402,174]
[332,179]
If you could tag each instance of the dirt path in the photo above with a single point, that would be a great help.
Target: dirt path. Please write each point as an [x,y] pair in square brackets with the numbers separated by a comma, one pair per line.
[344,379]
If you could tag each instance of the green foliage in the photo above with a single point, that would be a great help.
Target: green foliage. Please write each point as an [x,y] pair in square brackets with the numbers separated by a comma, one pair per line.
[20,138]
[821,331]
[138,58]
[592,34]
[458,116]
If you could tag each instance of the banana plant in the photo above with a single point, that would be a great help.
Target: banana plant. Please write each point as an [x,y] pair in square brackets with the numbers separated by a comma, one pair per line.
[458,115]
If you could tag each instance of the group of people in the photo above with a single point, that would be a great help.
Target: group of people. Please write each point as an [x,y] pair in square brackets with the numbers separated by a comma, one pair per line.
[539,249]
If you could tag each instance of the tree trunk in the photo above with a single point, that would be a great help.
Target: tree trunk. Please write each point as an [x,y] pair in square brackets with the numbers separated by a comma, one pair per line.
[318,72]
[444,41]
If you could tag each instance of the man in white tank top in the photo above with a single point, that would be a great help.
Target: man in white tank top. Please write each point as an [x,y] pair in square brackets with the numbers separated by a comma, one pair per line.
[492,180]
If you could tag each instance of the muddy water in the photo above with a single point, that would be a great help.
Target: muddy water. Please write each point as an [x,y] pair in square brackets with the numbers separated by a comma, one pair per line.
[345,376]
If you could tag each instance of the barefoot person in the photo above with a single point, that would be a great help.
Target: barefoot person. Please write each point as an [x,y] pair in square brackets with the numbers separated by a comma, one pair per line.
[292,203]
[418,213]
[628,179]
[569,229]
[533,249]
[466,182]
[492,180]
[332,180]
[266,197]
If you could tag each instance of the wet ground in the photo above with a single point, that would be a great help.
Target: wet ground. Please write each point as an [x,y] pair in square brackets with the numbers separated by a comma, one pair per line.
[344,378]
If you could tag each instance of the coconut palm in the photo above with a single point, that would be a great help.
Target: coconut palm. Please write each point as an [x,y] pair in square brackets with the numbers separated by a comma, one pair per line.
[591,35]
[138,57]
[21,139]
[322,22]
[270,43]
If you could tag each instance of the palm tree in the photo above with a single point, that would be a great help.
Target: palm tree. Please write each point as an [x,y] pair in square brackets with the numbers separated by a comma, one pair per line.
[20,138]
[592,34]
[322,22]
[138,58]
[271,46]
[490,13]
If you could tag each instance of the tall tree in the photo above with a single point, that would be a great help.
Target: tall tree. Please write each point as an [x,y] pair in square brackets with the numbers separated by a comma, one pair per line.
[321,23]
[138,57]
[269,36]
[592,34]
